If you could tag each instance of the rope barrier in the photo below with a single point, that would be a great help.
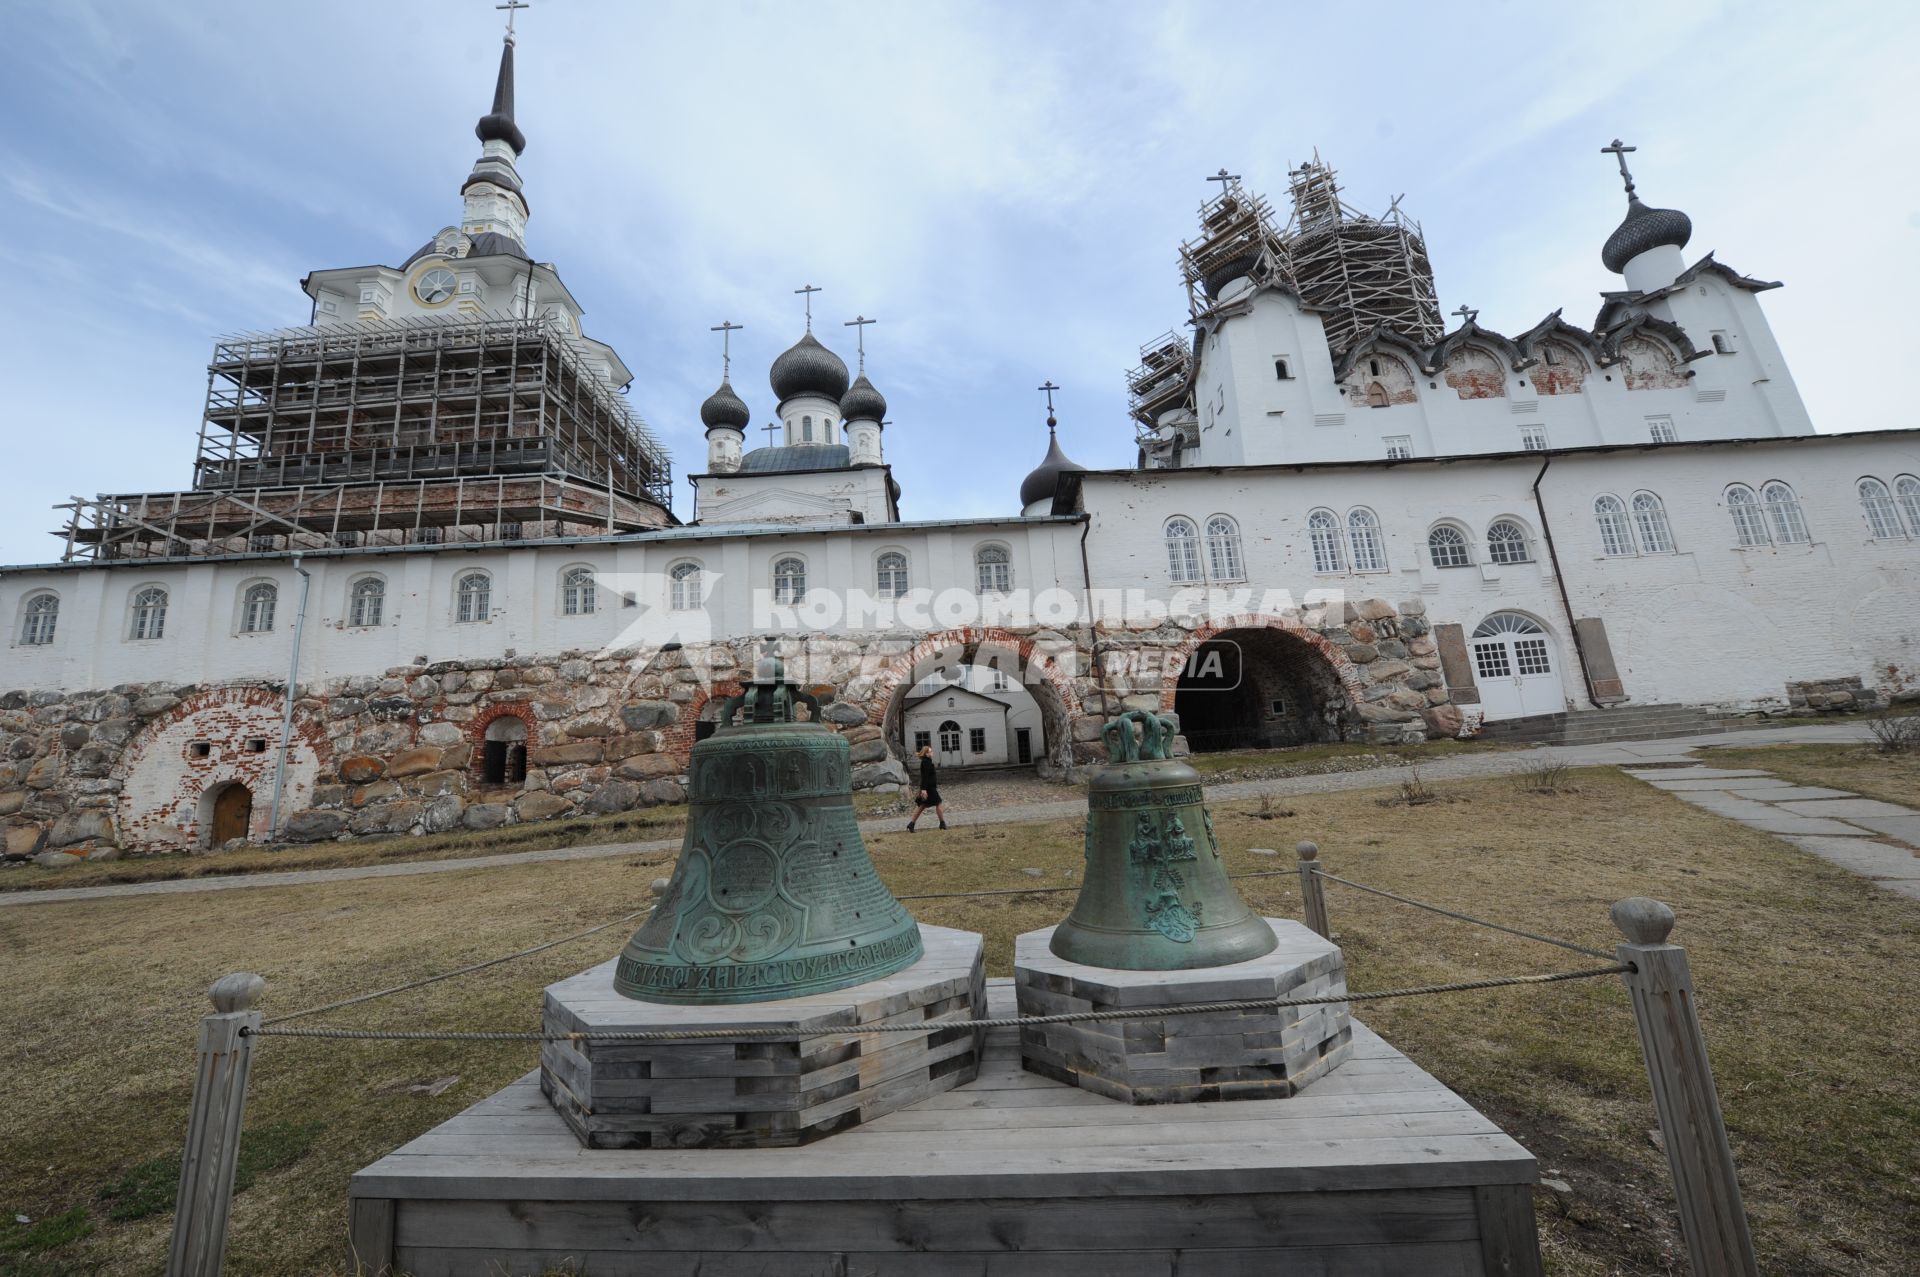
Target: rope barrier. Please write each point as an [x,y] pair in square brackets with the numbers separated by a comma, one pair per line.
[998,1022]
[1467,917]
[448,975]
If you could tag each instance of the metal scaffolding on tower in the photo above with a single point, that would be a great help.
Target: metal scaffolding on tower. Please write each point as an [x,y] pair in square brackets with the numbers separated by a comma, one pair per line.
[1359,271]
[389,433]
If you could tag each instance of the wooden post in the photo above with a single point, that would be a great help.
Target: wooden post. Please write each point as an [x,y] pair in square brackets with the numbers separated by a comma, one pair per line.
[213,1129]
[1713,1220]
[1313,892]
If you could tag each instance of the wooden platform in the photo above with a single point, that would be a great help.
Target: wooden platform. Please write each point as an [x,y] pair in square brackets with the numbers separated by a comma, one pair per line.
[1375,1169]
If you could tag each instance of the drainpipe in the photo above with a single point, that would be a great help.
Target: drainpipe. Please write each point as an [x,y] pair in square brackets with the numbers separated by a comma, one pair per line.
[1560,582]
[286,713]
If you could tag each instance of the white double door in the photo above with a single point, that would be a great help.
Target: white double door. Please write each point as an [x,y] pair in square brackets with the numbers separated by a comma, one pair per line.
[1513,667]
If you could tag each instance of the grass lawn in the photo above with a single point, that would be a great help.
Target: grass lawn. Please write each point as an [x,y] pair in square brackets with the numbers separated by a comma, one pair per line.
[1309,760]
[1807,979]
[1863,769]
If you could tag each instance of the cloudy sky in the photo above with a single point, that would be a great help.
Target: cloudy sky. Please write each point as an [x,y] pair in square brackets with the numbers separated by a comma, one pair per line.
[1003,185]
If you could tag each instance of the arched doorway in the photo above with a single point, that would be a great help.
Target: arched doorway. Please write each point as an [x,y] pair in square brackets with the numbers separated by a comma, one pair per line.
[226,812]
[1261,689]
[1514,667]
[1010,708]
[503,760]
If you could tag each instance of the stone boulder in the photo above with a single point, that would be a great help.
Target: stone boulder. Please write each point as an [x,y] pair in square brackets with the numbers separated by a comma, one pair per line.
[1444,720]
[572,753]
[22,841]
[414,762]
[485,815]
[615,795]
[313,826]
[648,767]
[541,806]
[890,772]
[655,792]
[11,801]
[441,734]
[90,824]
[868,751]
[844,714]
[55,860]
[359,769]
[640,716]
[443,813]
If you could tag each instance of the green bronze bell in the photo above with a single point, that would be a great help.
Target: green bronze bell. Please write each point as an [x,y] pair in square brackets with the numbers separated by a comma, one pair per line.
[774,895]
[1156,895]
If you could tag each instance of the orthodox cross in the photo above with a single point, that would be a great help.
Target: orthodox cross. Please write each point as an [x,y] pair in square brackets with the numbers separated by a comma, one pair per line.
[808,293]
[511,6]
[1049,388]
[1467,314]
[726,328]
[770,427]
[1619,151]
[1225,179]
[859,325]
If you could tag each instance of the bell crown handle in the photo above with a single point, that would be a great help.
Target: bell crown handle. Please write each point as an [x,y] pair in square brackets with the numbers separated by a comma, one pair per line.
[1154,742]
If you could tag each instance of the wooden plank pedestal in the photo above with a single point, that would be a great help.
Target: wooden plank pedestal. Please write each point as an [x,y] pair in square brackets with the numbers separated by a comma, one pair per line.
[1374,1169]
[750,1092]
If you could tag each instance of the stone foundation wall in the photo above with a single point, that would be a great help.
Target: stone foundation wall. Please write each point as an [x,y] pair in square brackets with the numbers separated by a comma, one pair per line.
[136,768]
[1818,695]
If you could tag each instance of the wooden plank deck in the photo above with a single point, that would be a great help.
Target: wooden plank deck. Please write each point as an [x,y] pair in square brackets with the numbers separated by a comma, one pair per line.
[1377,1168]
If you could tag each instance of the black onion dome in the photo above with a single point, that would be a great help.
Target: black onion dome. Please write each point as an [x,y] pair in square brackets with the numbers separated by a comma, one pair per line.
[724,408]
[1040,485]
[862,402]
[808,368]
[1644,228]
[1220,276]
[497,125]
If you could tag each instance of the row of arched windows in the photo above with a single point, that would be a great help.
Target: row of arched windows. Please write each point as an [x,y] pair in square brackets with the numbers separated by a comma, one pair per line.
[1771,518]
[992,574]
[1448,545]
[1219,550]
[1634,526]
[1891,515]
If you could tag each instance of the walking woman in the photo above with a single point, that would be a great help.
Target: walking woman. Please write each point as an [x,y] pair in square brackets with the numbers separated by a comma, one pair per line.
[929,791]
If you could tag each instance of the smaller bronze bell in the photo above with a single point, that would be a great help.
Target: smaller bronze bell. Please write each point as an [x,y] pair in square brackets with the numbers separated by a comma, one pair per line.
[1156,895]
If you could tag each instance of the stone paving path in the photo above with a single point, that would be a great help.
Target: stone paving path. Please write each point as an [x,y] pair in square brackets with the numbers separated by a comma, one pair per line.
[1459,767]
[1830,823]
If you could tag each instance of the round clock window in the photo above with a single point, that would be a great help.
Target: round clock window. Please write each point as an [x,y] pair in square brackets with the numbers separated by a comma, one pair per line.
[436,286]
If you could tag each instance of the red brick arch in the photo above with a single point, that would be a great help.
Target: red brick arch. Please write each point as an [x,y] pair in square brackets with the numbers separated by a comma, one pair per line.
[1059,706]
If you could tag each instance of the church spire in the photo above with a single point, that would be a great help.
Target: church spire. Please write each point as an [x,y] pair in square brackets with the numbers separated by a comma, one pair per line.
[496,205]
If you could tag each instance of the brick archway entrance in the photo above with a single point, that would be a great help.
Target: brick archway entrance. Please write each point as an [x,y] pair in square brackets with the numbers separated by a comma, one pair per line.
[1261,688]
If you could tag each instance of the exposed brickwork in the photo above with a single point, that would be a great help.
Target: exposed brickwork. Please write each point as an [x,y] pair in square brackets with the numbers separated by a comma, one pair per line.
[1475,374]
[1562,370]
[1646,364]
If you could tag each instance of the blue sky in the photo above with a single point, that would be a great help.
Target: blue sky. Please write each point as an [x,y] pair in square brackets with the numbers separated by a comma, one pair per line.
[1003,185]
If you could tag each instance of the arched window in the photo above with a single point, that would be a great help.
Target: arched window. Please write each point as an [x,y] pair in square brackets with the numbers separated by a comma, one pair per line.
[689,585]
[1650,522]
[1616,534]
[1223,549]
[473,597]
[256,607]
[1507,542]
[993,569]
[789,580]
[1906,490]
[806,430]
[578,596]
[1783,514]
[1329,553]
[949,737]
[38,618]
[890,574]
[1368,552]
[1883,519]
[367,602]
[503,760]
[149,613]
[1448,547]
[1183,550]
[1748,523]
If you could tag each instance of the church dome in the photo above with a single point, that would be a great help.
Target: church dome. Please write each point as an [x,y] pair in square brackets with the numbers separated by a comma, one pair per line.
[724,408]
[1040,485]
[862,402]
[1644,228]
[808,368]
[1225,273]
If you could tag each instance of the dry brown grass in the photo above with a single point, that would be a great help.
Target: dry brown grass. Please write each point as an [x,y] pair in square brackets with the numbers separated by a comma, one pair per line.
[1807,979]
[1863,769]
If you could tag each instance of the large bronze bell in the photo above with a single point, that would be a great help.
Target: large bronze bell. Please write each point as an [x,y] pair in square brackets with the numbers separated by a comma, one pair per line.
[1156,895]
[774,895]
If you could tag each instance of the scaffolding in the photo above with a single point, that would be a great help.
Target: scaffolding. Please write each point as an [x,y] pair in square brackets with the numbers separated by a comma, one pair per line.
[1159,384]
[373,434]
[1238,236]
[1359,271]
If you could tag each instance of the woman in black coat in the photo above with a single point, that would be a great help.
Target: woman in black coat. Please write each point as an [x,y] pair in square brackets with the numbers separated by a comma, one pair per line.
[929,795]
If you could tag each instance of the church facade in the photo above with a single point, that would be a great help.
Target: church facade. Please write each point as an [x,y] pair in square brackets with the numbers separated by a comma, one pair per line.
[432,508]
